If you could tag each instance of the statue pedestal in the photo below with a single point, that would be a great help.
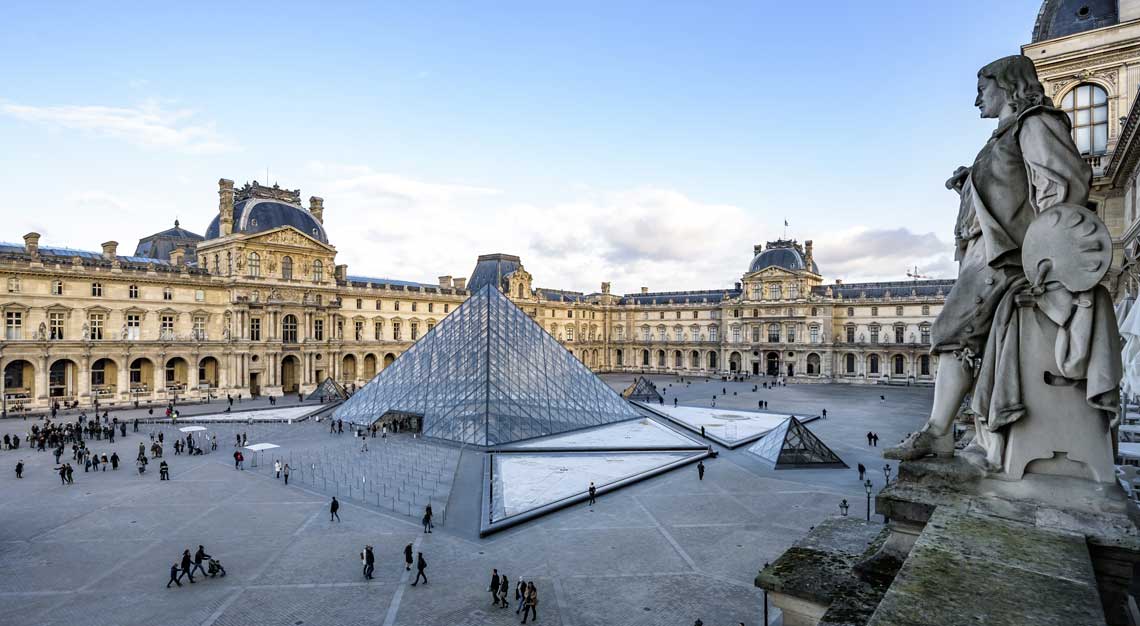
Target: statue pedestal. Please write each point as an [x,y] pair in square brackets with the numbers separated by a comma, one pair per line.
[966,549]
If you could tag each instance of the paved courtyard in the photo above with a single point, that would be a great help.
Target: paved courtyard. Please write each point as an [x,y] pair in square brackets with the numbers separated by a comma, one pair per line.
[664,551]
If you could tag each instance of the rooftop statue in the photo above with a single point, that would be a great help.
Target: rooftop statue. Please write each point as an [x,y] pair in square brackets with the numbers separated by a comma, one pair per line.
[1027,328]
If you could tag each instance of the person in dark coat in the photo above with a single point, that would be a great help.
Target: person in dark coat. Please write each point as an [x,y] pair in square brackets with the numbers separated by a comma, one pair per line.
[408,557]
[186,561]
[862,470]
[200,556]
[173,575]
[369,562]
[504,589]
[333,508]
[20,468]
[593,494]
[700,470]
[421,565]
[494,588]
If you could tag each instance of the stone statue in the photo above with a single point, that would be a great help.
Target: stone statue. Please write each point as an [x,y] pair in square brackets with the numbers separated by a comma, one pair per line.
[226,331]
[1026,328]
[123,334]
[42,332]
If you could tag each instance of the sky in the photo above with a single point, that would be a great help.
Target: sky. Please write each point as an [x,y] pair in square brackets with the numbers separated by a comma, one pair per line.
[641,143]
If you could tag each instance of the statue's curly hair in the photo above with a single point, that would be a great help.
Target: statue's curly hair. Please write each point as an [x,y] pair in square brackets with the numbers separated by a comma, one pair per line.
[1017,76]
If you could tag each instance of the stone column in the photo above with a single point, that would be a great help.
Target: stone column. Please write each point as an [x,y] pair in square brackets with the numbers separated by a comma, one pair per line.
[123,380]
[83,371]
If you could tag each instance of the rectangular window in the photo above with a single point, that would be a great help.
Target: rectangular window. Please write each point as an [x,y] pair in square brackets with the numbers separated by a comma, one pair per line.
[791,331]
[200,327]
[57,288]
[360,303]
[396,305]
[414,307]
[712,333]
[874,334]
[415,330]
[850,334]
[773,333]
[95,320]
[755,334]
[899,334]
[926,309]
[815,334]
[925,330]
[199,295]
[569,333]
[13,325]
[134,326]
[133,292]
[255,329]
[898,311]
[431,307]
[695,313]
[378,330]
[735,334]
[396,331]
[13,285]
[55,325]
[167,324]
[319,330]
[446,307]
[168,294]
[358,329]
[378,305]
[874,311]
[97,290]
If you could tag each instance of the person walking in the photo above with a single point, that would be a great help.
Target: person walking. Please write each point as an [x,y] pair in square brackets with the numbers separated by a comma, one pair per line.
[700,470]
[593,494]
[62,474]
[20,468]
[421,565]
[286,472]
[494,588]
[333,508]
[408,558]
[186,560]
[369,561]
[862,470]
[115,459]
[174,569]
[868,437]
[277,468]
[520,595]
[200,556]
[875,439]
[504,589]
[530,604]
[428,515]
[163,471]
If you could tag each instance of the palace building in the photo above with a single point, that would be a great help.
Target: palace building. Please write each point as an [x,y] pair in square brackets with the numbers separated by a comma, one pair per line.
[258,305]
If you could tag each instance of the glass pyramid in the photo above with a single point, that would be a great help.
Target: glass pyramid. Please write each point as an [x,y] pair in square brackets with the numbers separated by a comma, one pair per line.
[487,374]
[791,444]
[328,389]
[642,389]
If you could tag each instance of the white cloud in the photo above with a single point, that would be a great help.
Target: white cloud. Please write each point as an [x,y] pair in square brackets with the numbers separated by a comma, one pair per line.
[883,254]
[149,125]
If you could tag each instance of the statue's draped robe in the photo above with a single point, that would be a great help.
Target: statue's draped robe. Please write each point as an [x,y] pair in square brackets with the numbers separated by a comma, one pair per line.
[1029,164]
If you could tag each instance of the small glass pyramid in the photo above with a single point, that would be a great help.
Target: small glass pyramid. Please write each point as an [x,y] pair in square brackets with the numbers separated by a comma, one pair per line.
[487,374]
[791,444]
[328,389]
[644,390]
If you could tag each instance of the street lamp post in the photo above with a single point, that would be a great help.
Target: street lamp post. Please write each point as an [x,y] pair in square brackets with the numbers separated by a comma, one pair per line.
[843,506]
[887,472]
[765,600]
[867,487]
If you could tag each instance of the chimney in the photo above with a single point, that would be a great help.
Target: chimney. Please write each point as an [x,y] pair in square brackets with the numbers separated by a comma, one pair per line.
[225,207]
[317,208]
[444,282]
[32,244]
[110,249]
[177,255]
[606,288]
[807,254]
[838,281]
[459,283]
[757,249]
[645,290]
[341,273]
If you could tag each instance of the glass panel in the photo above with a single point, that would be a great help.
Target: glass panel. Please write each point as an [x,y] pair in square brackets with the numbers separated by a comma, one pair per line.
[1100,138]
[1067,101]
[1070,114]
[1100,114]
[1082,137]
[1083,95]
[1099,95]
[1082,117]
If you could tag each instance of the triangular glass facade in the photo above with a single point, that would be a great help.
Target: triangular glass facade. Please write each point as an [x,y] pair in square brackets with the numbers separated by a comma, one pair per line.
[642,389]
[487,374]
[328,389]
[791,444]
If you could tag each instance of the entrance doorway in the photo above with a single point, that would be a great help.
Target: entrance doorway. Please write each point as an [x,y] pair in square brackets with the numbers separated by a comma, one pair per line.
[773,368]
[289,370]
[755,367]
[254,386]
[791,369]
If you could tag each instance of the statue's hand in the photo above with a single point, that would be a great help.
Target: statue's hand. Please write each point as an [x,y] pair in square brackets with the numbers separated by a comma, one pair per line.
[958,179]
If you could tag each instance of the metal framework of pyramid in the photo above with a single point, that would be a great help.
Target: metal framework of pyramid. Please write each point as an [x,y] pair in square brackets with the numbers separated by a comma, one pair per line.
[487,374]
[791,444]
[330,389]
[644,390]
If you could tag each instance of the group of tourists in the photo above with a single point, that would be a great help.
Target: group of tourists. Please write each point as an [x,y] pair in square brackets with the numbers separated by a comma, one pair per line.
[187,565]
[526,595]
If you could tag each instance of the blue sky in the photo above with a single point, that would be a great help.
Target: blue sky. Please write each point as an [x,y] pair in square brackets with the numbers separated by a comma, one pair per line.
[644,143]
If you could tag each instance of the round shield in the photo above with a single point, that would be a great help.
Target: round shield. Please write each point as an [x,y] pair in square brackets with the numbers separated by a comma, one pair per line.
[1067,244]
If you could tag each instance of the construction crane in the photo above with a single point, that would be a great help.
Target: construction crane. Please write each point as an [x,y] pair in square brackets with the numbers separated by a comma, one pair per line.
[915,275]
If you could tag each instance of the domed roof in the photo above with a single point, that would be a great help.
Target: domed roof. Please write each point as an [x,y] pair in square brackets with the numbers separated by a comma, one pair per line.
[782,253]
[160,245]
[1058,18]
[254,215]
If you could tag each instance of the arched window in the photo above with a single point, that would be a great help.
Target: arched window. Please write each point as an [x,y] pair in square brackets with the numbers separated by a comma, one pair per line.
[289,329]
[873,364]
[849,363]
[900,365]
[619,358]
[773,333]
[520,291]
[254,264]
[287,268]
[318,272]
[774,291]
[645,358]
[1087,107]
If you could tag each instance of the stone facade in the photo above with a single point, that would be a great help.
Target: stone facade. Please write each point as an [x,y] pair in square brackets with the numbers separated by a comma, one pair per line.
[264,309]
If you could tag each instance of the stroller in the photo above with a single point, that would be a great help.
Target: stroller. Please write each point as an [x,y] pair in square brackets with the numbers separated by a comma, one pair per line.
[214,568]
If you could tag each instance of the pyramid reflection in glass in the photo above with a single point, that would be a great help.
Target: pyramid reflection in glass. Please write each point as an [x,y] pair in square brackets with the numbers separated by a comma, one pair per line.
[487,374]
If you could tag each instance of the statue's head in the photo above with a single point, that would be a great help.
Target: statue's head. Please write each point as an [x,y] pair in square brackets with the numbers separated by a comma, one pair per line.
[1009,80]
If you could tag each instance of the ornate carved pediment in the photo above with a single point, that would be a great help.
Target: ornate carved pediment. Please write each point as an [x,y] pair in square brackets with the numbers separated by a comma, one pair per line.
[287,236]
